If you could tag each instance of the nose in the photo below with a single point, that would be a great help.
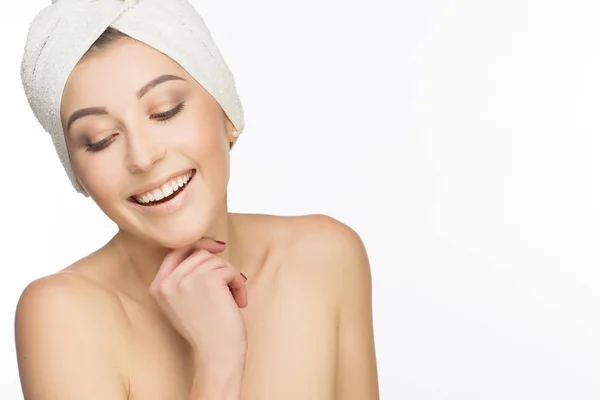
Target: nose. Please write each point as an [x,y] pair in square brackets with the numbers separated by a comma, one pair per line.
[143,152]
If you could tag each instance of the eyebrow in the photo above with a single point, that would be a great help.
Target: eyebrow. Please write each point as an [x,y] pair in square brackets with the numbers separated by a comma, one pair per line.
[155,82]
[84,112]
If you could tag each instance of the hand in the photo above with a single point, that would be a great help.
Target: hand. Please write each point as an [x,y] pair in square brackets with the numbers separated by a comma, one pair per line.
[200,293]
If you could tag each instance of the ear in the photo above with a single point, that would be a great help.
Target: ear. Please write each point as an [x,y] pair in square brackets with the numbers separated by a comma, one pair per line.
[231,131]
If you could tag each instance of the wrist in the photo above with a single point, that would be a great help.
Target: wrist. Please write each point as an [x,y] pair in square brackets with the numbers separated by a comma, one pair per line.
[218,379]
[231,359]
[217,384]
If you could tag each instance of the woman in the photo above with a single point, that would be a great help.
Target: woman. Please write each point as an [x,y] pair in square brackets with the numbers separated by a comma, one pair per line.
[187,300]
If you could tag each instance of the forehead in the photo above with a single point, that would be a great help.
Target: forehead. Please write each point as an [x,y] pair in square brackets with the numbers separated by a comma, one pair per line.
[115,73]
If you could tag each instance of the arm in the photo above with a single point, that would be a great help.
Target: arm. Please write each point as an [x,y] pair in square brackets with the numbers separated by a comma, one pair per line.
[210,387]
[64,349]
[357,368]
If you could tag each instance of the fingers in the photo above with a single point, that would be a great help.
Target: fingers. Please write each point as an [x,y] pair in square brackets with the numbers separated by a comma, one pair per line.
[228,276]
[198,259]
[240,292]
[194,266]
[168,265]
[236,282]
[209,245]
[209,269]
[176,257]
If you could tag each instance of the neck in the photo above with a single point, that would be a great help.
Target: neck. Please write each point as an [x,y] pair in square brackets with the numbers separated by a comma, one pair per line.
[144,258]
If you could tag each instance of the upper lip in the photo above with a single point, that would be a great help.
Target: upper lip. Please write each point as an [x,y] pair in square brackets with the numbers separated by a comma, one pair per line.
[158,183]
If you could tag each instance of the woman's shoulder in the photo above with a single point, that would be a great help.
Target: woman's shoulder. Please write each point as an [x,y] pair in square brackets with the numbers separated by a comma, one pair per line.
[322,234]
[299,230]
[74,295]
[67,317]
[317,244]
[71,296]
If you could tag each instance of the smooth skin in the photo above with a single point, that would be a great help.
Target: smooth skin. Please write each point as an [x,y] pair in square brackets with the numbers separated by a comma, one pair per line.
[162,310]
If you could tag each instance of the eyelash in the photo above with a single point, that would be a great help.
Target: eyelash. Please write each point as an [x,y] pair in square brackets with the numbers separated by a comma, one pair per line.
[163,117]
[167,115]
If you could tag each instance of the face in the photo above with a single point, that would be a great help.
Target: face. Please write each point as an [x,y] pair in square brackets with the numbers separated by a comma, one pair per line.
[137,127]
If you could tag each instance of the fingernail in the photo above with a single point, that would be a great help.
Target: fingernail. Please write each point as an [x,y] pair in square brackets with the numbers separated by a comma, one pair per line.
[218,241]
[243,276]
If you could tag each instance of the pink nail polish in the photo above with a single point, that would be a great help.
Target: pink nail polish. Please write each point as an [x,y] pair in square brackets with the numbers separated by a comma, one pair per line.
[218,241]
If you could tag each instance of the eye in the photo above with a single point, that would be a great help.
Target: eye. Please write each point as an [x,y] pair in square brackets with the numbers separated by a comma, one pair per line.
[104,143]
[167,115]
[161,117]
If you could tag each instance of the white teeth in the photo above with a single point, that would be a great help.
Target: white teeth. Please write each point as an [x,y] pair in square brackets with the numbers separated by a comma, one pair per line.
[158,194]
[165,190]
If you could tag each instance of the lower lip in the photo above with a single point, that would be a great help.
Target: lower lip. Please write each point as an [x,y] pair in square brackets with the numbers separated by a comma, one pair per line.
[169,206]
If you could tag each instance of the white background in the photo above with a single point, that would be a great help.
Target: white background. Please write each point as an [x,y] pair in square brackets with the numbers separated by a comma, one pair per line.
[459,138]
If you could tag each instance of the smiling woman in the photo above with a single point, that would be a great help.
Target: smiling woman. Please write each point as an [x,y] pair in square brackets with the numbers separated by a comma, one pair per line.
[187,300]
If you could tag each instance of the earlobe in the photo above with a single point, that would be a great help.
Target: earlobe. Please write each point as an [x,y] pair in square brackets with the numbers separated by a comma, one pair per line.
[230,127]
[234,136]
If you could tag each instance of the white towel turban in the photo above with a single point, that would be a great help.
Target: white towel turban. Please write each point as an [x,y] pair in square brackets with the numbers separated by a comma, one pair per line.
[63,32]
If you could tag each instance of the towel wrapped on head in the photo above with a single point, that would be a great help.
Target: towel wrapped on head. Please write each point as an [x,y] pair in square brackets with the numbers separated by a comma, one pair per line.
[63,32]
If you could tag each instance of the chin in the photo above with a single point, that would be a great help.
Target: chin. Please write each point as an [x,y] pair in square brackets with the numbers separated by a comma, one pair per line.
[178,232]
[181,238]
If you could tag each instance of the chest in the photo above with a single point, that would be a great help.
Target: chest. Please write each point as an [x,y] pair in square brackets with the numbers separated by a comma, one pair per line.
[292,341]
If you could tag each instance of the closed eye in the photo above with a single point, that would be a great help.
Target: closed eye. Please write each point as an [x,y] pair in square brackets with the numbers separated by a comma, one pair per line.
[161,117]
[167,115]
[104,143]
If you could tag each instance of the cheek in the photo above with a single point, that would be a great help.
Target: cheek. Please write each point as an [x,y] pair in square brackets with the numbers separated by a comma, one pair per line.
[100,177]
[203,140]
[211,157]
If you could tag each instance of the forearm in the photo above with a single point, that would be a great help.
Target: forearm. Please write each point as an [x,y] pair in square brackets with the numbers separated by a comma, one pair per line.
[210,384]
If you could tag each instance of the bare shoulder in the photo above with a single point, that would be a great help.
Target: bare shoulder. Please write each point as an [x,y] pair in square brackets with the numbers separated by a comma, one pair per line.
[85,286]
[320,248]
[329,232]
[332,259]
[68,338]
[80,295]
[322,239]
[67,291]
[316,236]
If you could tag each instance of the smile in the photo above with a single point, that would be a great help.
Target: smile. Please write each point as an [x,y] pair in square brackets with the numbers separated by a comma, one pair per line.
[166,192]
